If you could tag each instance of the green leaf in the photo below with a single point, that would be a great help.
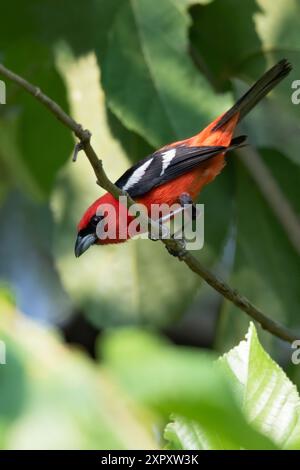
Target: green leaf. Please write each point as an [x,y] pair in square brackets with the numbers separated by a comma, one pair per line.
[185,434]
[37,144]
[218,200]
[181,381]
[272,124]
[263,257]
[158,70]
[225,19]
[52,398]
[257,36]
[16,27]
[269,399]
[278,26]
[154,73]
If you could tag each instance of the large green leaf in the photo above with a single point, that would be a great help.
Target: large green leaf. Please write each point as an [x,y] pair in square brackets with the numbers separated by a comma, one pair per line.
[160,76]
[225,19]
[270,400]
[152,84]
[267,397]
[257,34]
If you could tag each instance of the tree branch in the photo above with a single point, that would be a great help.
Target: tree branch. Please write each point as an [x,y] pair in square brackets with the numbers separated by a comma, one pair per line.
[177,246]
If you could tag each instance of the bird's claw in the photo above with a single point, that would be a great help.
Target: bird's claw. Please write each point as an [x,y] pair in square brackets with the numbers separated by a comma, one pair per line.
[175,252]
[186,199]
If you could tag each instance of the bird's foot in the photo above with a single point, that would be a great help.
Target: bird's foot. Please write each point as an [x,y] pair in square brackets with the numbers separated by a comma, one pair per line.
[174,251]
[185,199]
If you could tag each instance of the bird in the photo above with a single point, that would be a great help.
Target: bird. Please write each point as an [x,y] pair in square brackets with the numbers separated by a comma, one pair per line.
[177,172]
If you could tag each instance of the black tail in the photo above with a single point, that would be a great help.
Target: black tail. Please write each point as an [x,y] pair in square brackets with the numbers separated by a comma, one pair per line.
[238,141]
[257,92]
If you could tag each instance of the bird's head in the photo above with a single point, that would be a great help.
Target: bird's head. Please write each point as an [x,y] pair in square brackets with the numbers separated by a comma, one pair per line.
[104,222]
[87,229]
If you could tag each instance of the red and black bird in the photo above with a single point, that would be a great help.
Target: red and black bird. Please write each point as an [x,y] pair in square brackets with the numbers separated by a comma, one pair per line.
[180,169]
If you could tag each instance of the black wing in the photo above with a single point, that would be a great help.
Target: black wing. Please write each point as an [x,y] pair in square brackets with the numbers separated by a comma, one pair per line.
[167,164]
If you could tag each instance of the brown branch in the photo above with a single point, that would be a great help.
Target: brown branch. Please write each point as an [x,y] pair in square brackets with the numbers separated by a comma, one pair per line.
[273,194]
[177,246]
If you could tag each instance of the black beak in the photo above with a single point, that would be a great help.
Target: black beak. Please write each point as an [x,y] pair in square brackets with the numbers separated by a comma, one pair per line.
[83,242]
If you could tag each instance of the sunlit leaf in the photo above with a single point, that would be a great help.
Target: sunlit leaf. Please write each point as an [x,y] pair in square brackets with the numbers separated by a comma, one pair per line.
[186,434]
[270,400]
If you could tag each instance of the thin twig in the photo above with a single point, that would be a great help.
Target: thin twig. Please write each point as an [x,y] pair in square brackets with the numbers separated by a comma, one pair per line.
[273,194]
[176,246]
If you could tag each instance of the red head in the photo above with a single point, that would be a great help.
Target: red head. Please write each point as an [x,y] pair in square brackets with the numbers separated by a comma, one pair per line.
[101,224]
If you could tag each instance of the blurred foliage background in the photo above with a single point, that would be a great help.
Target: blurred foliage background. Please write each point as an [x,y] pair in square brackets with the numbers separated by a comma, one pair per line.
[105,350]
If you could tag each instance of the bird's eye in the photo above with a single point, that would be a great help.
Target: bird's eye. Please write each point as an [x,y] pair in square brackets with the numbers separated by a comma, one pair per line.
[95,220]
